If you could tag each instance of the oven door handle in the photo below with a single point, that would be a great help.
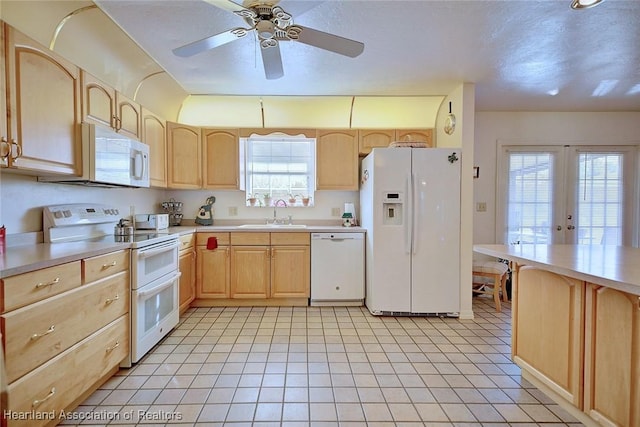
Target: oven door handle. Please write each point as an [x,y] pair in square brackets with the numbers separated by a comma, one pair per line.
[143,253]
[157,289]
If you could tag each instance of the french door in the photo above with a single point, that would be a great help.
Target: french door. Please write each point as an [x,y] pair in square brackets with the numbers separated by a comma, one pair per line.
[567,194]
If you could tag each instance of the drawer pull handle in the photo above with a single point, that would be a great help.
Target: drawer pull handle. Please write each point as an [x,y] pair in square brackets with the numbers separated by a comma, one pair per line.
[51,329]
[113,347]
[111,264]
[38,402]
[110,300]
[51,283]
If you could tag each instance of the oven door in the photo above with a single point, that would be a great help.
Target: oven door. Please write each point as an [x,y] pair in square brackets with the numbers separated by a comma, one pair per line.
[151,263]
[154,312]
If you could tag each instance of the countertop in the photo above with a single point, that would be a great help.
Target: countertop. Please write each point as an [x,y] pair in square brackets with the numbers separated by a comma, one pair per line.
[25,258]
[617,267]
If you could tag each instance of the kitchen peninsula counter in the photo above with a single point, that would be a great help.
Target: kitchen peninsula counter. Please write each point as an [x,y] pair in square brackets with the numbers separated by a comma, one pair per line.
[576,326]
[617,267]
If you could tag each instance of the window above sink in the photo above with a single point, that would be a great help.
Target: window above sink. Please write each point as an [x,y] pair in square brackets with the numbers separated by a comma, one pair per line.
[279,170]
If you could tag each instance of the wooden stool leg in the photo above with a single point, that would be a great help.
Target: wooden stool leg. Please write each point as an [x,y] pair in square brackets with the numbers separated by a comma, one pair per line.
[496,292]
[505,297]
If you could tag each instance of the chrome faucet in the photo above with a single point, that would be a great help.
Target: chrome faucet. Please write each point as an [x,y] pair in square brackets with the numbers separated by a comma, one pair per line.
[275,205]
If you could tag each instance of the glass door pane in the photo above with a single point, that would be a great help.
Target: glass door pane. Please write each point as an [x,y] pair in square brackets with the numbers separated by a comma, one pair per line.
[601,180]
[532,194]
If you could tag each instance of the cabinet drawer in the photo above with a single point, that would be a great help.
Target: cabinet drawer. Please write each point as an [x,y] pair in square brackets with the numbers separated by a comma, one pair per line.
[56,384]
[18,291]
[250,239]
[104,265]
[35,333]
[186,241]
[290,238]
[201,238]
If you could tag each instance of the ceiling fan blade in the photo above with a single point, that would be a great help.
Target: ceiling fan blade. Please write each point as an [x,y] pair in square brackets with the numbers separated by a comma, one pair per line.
[326,41]
[227,5]
[210,42]
[272,60]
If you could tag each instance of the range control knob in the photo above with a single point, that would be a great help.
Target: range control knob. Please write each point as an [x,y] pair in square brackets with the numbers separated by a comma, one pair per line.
[66,213]
[57,214]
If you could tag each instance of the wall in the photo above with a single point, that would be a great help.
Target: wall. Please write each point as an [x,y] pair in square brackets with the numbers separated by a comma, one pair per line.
[324,201]
[605,128]
[22,199]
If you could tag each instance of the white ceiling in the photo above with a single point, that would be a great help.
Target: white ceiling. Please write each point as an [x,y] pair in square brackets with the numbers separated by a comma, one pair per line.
[518,53]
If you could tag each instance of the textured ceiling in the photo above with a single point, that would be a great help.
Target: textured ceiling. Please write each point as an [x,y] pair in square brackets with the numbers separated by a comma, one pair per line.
[522,55]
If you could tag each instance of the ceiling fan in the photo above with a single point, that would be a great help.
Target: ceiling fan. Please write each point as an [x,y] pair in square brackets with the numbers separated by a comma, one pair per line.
[272,26]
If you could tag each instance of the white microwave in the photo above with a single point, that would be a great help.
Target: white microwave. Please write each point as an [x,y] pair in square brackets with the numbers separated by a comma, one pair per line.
[109,159]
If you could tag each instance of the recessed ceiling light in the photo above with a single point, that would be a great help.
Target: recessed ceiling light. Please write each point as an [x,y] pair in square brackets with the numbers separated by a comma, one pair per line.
[584,4]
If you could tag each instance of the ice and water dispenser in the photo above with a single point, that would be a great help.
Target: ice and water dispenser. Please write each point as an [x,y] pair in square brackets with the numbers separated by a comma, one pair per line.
[392,205]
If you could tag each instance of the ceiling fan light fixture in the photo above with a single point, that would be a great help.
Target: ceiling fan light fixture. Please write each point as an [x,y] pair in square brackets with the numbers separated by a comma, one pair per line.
[584,4]
[266,29]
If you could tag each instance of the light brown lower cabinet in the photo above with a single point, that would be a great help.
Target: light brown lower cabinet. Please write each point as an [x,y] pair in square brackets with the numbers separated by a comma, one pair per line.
[547,337]
[612,357]
[64,335]
[187,267]
[212,267]
[581,341]
[253,268]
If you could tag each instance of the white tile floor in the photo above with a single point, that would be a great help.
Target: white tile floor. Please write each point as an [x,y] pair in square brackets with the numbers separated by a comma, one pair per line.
[333,366]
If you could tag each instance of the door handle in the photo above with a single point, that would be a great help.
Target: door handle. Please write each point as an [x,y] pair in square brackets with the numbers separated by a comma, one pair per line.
[571,227]
[559,228]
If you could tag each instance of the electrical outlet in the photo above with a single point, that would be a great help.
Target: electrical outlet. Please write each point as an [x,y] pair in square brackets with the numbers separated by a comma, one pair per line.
[233,211]
[481,206]
[335,211]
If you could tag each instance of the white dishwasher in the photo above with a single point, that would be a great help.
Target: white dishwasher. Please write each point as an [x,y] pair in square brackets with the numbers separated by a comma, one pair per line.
[337,268]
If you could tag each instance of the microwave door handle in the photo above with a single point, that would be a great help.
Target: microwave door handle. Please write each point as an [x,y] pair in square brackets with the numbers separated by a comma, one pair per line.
[150,252]
[138,164]
[159,288]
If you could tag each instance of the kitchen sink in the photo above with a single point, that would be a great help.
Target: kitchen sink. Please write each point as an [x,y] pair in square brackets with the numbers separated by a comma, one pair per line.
[272,226]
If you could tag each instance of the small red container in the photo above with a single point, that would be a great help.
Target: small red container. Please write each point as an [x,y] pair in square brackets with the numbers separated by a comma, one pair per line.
[212,243]
[3,235]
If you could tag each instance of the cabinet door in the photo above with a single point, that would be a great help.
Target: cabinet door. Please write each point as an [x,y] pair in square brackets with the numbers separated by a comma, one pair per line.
[128,121]
[337,160]
[212,272]
[184,155]
[154,134]
[98,101]
[612,356]
[290,272]
[370,139]
[44,107]
[187,266]
[547,336]
[5,146]
[220,161]
[250,267]
[425,135]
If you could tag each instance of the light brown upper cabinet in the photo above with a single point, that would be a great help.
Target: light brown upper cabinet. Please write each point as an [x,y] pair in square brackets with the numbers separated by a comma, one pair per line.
[425,135]
[184,156]
[43,108]
[337,159]
[220,161]
[154,134]
[368,139]
[5,145]
[103,105]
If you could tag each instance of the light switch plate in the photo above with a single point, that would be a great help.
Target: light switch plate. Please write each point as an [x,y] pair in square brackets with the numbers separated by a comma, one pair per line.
[233,211]
[335,211]
[481,206]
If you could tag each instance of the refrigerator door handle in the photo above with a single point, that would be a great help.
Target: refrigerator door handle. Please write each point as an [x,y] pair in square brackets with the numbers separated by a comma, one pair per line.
[407,216]
[415,204]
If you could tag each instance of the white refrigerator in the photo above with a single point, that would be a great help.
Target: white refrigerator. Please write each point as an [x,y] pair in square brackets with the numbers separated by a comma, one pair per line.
[410,208]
